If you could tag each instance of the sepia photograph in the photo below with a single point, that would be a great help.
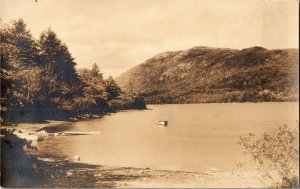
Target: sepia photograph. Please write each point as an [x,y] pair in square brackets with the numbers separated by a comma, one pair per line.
[149,93]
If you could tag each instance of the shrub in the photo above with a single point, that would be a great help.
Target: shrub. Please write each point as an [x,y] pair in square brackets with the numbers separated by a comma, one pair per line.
[278,151]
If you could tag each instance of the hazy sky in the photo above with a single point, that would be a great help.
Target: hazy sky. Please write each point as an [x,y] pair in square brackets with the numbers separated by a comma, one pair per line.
[119,34]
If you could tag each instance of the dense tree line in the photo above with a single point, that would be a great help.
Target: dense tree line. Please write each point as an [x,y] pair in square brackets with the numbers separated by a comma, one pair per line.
[39,80]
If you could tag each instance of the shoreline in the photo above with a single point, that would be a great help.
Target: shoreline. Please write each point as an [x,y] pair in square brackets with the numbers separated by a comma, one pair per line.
[71,174]
[250,102]
[59,172]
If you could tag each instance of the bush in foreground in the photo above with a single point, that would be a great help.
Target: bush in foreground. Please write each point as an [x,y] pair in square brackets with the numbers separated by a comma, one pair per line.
[277,151]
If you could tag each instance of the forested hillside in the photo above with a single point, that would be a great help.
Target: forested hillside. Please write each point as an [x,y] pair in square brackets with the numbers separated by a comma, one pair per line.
[39,80]
[203,74]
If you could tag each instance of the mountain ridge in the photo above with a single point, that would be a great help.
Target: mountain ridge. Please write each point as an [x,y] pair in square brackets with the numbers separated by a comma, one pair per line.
[207,74]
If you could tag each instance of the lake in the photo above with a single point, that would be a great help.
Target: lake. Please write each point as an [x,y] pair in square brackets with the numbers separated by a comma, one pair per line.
[199,137]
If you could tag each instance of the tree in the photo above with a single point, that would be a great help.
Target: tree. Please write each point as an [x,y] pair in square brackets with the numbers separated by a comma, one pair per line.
[29,52]
[39,80]
[19,57]
[18,35]
[112,89]
[94,85]
[59,66]
[95,72]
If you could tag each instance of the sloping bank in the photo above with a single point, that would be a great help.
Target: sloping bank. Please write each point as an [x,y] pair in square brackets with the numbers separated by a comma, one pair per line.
[20,168]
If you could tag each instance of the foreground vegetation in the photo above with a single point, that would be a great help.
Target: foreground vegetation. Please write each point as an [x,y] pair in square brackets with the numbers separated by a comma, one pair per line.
[277,151]
[39,80]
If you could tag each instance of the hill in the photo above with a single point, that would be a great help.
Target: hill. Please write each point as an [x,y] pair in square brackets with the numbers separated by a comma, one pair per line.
[204,75]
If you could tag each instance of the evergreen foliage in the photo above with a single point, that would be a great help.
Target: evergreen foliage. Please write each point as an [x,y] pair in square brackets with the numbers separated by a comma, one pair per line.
[39,79]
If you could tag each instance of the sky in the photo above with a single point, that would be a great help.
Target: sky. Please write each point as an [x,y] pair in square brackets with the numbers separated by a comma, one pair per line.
[120,34]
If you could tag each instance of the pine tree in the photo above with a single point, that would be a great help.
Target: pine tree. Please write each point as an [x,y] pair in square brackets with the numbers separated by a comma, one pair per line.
[94,83]
[27,46]
[19,65]
[112,89]
[96,72]
[59,66]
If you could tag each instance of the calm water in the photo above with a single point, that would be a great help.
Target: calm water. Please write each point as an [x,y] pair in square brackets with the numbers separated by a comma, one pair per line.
[199,136]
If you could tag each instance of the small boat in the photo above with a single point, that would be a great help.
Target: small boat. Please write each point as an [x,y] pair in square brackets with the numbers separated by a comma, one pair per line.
[163,123]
